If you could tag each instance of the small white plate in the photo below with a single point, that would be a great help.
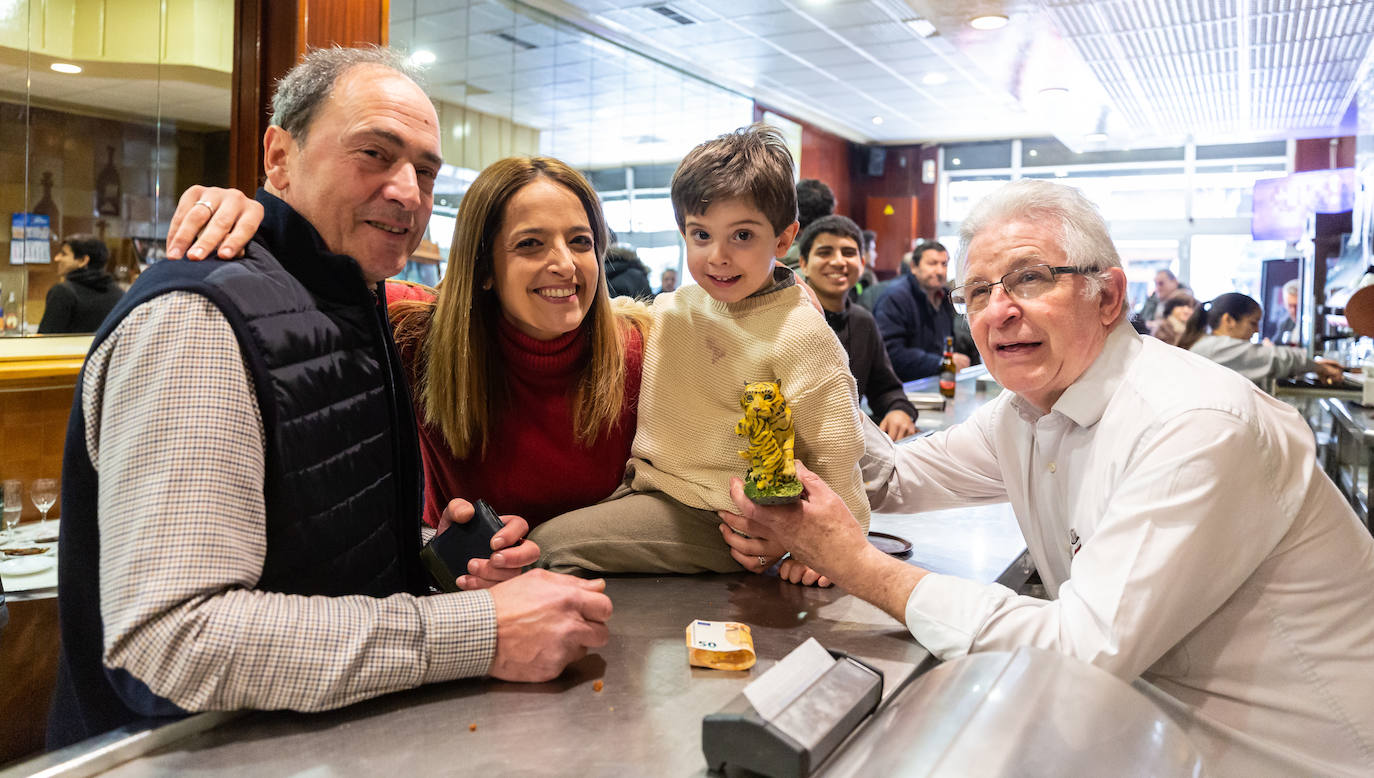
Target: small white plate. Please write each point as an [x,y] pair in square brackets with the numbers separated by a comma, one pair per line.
[27,565]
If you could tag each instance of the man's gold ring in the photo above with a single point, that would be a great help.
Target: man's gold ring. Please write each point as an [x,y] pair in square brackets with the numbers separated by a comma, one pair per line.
[763,561]
[209,206]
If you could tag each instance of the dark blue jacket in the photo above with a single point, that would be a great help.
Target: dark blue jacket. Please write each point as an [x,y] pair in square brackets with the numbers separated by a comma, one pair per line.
[914,331]
[343,478]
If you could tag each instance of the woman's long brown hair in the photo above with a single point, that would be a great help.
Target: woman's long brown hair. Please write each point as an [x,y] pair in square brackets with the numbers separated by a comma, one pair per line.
[458,368]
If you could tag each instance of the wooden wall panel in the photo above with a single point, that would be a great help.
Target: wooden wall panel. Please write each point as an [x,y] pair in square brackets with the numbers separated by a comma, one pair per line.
[33,424]
[826,157]
[893,217]
[1315,153]
[28,673]
[343,22]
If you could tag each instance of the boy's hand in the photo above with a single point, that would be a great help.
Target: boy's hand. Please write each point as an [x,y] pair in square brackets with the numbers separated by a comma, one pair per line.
[798,573]
[507,560]
[224,219]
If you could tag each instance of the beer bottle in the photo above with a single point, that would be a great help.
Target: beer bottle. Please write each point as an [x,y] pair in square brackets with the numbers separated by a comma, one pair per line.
[948,369]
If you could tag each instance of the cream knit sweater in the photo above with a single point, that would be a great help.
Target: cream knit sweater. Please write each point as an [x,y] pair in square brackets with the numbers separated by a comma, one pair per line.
[699,355]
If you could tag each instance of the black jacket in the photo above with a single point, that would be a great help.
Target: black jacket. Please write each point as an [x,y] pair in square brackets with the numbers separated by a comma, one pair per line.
[80,303]
[914,331]
[868,361]
[628,278]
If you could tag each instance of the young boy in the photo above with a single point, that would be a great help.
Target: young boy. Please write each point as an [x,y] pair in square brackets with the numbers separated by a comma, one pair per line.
[746,320]
[832,262]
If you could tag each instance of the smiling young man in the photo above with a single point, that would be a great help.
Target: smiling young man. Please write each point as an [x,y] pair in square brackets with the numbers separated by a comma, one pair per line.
[831,262]
[1176,514]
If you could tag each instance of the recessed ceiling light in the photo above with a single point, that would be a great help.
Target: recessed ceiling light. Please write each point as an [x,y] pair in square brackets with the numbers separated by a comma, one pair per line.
[1095,137]
[921,27]
[989,22]
[877,120]
[954,161]
[934,78]
[1054,91]
[422,57]
[65,67]
[1034,153]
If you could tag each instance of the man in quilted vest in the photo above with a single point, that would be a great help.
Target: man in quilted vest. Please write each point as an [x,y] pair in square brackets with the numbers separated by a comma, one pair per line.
[242,480]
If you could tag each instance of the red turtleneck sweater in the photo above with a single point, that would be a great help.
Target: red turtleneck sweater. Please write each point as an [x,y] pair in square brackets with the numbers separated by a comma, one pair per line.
[534,466]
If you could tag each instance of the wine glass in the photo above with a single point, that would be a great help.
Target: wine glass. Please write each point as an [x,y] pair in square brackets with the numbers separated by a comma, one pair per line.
[43,492]
[14,505]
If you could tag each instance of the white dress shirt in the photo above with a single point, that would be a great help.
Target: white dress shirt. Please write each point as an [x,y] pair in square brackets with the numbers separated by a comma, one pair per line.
[1179,520]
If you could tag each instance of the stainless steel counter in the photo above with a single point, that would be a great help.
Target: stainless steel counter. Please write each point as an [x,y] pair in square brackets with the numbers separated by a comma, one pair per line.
[645,720]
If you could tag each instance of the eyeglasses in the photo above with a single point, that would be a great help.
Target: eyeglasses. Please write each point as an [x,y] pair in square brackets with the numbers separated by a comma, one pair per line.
[1023,283]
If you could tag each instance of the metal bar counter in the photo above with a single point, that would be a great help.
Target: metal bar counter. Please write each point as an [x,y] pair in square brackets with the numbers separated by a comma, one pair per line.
[646,720]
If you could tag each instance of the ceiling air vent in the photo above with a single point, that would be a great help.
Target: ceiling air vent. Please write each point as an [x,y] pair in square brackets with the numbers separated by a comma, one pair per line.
[508,38]
[672,13]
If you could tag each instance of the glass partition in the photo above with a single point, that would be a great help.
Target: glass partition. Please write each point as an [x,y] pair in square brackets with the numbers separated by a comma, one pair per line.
[108,110]
[510,79]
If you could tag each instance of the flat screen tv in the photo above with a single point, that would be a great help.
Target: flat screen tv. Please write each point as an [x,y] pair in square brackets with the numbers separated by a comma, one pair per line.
[1283,205]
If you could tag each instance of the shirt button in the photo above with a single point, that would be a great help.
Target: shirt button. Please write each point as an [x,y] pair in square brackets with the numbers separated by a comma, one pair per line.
[1052,467]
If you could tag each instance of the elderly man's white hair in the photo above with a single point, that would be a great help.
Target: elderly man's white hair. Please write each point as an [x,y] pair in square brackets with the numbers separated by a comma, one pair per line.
[1082,231]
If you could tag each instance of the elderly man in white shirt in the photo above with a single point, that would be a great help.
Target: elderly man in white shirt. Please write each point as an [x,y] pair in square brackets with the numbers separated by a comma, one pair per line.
[1176,513]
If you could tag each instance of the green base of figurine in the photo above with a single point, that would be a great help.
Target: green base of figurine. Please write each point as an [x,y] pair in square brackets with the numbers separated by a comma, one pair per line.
[780,494]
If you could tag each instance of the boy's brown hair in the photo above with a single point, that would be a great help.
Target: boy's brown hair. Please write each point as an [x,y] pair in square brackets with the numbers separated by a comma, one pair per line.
[751,163]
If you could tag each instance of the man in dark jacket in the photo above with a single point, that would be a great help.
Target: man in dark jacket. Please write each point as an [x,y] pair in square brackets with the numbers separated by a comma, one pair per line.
[242,476]
[915,315]
[86,293]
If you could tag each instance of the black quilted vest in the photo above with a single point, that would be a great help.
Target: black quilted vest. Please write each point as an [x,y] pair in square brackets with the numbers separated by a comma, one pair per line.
[343,475]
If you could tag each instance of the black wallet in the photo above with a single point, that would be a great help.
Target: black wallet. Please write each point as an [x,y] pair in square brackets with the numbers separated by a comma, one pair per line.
[446,556]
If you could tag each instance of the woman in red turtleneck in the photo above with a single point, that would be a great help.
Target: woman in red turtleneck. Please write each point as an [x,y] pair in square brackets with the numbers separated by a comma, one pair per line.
[525,375]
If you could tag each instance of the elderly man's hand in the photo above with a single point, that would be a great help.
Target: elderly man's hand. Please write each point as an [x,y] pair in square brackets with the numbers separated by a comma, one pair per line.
[898,424]
[224,219]
[507,560]
[544,621]
[818,530]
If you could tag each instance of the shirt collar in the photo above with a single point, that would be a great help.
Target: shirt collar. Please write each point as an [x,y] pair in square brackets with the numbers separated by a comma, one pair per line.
[1086,399]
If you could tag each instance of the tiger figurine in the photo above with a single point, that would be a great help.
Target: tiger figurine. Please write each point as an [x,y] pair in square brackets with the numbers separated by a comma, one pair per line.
[767,424]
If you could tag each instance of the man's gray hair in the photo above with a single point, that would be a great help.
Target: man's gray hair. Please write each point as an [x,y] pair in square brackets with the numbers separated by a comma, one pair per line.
[1083,232]
[1292,288]
[306,86]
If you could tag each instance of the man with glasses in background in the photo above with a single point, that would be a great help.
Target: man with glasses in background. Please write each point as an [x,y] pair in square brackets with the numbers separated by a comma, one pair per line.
[1176,514]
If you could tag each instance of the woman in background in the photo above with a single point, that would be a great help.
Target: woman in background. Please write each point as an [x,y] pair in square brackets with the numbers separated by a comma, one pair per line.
[86,293]
[1233,320]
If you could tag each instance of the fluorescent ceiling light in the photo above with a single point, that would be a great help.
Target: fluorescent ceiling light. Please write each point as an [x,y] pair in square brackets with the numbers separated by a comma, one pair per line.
[422,57]
[65,67]
[1095,137]
[922,27]
[989,22]
[934,78]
